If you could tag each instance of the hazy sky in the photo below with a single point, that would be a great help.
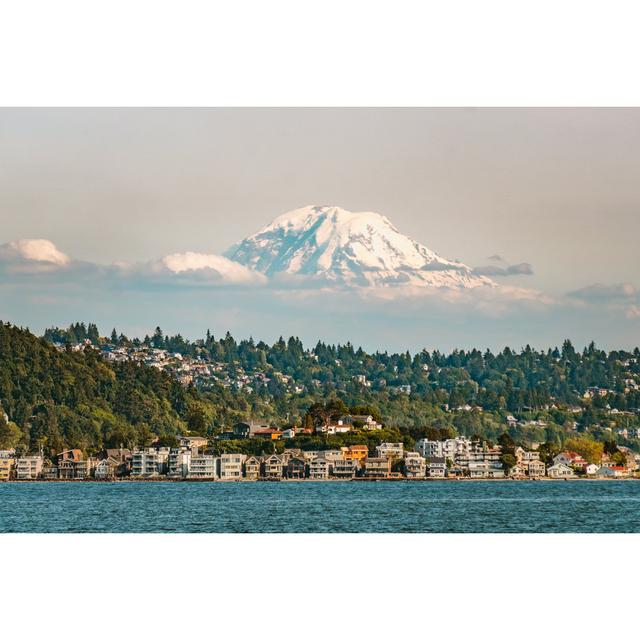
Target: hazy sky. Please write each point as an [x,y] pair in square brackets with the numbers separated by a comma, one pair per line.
[556,188]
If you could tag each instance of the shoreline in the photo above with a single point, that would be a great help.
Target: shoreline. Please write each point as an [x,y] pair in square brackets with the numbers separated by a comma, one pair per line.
[302,480]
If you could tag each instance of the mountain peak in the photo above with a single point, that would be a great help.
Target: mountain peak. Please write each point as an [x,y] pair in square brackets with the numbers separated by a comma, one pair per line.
[345,247]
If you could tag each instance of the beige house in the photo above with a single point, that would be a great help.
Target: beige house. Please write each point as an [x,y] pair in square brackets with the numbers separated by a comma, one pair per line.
[535,468]
[345,469]
[273,467]
[415,466]
[29,467]
[231,466]
[377,467]
[252,468]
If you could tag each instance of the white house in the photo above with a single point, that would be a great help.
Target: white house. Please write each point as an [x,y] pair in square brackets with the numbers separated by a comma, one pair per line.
[203,466]
[178,463]
[560,470]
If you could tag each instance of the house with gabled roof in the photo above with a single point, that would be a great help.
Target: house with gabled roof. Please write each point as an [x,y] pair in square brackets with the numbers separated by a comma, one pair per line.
[252,466]
[296,468]
[560,470]
[273,467]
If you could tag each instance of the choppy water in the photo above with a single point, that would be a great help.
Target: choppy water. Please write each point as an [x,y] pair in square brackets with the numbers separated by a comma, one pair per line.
[396,507]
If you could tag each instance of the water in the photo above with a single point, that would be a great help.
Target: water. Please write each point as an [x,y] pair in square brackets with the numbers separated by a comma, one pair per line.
[394,507]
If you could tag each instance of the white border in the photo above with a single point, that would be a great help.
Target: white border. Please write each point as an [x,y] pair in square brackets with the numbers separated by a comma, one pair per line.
[315,586]
[334,52]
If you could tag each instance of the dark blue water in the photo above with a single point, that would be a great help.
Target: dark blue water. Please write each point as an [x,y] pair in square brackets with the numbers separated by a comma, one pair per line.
[395,507]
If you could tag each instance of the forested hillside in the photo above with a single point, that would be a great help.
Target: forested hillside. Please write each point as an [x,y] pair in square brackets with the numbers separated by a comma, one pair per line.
[78,394]
[56,399]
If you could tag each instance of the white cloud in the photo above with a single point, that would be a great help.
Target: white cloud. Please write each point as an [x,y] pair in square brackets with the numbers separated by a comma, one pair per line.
[27,253]
[226,269]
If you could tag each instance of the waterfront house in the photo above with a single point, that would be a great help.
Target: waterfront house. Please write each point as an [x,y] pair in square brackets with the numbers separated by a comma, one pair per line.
[49,471]
[252,468]
[436,467]
[106,469]
[478,469]
[356,452]
[495,470]
[72,465]
[149,462]
[296,468]
[619,471]
[377,467]
[6,464]
[273,467]
[415,466]
[66,469]
[485,469]
[390,450]
[604,472]
[591,469]
[345,469]
[178,462]
[29,467]
[560,470]
[319,469]
[231,466]
[535,468]
[203,467]
[518,471]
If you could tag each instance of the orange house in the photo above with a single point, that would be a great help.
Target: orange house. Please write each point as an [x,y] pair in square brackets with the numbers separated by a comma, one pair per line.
[269,434]
[356,452]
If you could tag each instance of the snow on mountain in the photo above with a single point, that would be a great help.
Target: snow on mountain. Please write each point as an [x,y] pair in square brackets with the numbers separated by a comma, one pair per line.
[343,247]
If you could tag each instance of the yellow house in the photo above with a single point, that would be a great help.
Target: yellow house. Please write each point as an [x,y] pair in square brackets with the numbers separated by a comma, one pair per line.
[6,464]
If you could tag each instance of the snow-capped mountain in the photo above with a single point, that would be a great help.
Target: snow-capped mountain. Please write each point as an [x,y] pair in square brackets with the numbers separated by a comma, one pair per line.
[344,247]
